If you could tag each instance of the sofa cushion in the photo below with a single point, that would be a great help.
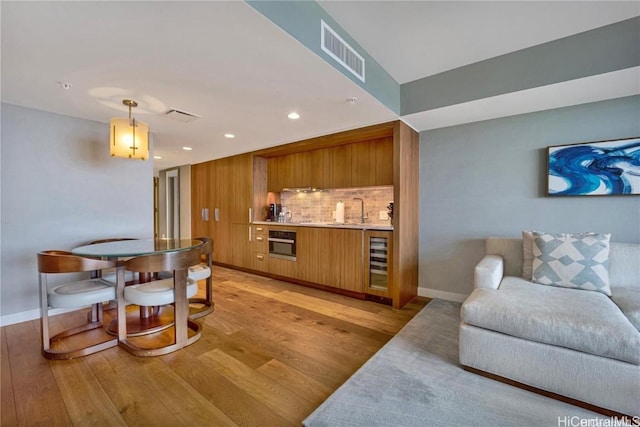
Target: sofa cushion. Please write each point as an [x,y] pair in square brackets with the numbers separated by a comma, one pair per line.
[584,321]
[628,300]
[527,255]
[579,261]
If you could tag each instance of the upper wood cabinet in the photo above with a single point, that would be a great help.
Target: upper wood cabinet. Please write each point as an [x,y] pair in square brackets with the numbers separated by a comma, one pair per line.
[384,161]
[318,163]
[360,164]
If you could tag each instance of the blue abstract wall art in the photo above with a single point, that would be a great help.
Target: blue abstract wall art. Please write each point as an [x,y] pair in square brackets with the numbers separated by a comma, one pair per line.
[600,168]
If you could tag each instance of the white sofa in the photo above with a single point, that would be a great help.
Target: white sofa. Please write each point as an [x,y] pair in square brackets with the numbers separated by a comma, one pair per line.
[579,344]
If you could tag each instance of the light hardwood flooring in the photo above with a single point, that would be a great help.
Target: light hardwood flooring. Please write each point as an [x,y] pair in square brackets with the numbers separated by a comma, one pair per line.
[270,353]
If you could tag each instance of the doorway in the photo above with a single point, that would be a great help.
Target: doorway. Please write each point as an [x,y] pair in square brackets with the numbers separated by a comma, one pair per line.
[172,197]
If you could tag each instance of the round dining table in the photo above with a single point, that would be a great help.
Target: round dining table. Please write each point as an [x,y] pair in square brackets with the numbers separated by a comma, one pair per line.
[134,247]
[150,319]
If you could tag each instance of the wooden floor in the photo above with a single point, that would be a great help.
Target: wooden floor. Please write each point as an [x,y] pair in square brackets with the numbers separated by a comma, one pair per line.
[269,355]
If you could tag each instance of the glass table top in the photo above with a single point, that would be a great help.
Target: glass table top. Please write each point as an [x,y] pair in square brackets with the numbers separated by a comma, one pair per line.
[131,248]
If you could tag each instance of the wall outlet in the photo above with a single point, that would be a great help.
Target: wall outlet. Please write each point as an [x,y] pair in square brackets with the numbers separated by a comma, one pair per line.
[333,215]
[384,215]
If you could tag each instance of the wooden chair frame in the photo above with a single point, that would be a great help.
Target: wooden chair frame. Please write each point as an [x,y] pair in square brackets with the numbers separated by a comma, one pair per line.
[177,262]
[208,306]
[54,262]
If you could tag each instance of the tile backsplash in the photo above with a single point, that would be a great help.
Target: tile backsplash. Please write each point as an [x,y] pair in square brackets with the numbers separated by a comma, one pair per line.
[319,206]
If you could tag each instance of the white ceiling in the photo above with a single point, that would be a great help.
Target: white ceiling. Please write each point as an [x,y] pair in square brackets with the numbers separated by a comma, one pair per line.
[243,74]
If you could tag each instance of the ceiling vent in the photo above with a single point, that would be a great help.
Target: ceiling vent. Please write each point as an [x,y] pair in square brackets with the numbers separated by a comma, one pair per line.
[339,50]
[181,116]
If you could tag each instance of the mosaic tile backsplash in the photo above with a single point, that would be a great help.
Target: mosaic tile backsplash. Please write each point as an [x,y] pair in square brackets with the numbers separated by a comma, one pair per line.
[319,206]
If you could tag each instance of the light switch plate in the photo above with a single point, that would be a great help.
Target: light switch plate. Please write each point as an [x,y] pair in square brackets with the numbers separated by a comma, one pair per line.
[384,215]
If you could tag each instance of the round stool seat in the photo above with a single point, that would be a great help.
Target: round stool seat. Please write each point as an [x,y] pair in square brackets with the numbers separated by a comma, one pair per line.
[199,272]
[81,293]
[157,292]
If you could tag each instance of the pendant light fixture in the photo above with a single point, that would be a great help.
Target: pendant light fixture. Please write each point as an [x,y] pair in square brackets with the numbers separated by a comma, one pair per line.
[129,138]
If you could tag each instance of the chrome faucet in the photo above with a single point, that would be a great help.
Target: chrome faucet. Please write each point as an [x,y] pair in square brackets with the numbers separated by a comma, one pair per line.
[363,216]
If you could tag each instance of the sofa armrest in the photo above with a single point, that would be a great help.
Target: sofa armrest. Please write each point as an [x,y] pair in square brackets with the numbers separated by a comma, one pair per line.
[489,271]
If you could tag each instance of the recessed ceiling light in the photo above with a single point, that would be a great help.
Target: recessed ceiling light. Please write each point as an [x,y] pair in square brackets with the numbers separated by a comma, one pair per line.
[229,135]
[187,148]
[294,116]
[157,157]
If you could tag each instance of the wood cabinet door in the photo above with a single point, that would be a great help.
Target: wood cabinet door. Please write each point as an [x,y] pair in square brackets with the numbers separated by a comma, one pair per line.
[307,254]
[330,257]
[240,245]
[319,165]
[363,164]
[201,204]
[274,181]
[351,261]
[241,186]
[384,161]
[340,166]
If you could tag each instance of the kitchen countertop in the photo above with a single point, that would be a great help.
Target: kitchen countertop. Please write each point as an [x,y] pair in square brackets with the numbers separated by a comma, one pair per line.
[329,225]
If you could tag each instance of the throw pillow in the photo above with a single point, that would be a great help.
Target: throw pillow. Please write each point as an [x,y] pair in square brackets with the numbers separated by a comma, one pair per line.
[579,261]
[527,255]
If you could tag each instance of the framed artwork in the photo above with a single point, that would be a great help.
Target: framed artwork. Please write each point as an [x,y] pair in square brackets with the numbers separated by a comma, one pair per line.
[601,168]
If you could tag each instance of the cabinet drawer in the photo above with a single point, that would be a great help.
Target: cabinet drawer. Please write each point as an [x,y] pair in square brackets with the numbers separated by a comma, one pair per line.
[260,243]
[259,261]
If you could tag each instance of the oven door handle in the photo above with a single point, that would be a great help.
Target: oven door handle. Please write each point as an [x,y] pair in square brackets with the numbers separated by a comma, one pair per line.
[273,239]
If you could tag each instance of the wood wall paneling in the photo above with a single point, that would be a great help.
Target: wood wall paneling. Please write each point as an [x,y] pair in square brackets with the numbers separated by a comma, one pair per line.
[405,217]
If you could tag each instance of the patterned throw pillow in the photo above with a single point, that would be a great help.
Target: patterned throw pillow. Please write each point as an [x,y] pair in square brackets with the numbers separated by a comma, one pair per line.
[579,261]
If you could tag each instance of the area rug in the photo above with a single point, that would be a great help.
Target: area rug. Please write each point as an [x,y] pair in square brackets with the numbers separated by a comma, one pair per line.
[416,380]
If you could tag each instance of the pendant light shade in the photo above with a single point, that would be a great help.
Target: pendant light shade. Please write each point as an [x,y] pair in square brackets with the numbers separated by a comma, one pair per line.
[128,137]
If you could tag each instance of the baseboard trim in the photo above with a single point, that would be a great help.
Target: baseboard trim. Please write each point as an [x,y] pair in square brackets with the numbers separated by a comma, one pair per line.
[25,316]
[447,296]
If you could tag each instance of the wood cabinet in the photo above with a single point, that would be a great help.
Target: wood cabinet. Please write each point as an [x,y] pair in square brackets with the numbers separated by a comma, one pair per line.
[305,169]
[340,166]
[361,164]
[384,161]
[330,257]
[224,189]
[383,154]
[260,248]
[201,225]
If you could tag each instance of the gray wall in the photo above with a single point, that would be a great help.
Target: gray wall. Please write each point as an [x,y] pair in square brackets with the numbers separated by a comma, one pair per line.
[60,189]
[488,179]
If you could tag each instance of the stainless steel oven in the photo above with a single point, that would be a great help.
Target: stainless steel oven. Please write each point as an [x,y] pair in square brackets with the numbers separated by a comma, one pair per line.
[282,244]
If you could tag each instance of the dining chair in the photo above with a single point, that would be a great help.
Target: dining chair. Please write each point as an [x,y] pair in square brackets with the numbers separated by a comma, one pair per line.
[199,307]
[175,290]
[198,272]
[79,293]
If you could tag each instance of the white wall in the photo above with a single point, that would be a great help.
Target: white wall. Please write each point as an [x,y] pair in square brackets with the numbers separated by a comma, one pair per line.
[489,179]
[61,189]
